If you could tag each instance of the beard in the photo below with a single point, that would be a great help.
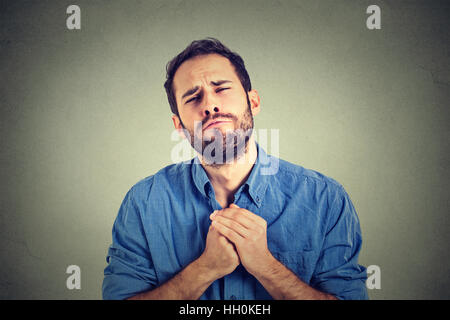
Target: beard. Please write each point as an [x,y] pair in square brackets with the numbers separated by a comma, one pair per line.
[221,149]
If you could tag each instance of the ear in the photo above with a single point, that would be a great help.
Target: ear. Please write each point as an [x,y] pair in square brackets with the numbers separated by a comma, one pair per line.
[177,124]
[255,102]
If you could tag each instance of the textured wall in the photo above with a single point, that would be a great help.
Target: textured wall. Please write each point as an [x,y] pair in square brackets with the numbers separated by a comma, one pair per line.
[84,116]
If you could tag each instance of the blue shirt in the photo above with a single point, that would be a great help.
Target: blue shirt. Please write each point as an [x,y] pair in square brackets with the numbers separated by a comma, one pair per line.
[161,227]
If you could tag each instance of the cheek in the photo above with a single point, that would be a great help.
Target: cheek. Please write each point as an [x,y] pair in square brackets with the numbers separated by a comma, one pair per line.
[190,118]
[234,103]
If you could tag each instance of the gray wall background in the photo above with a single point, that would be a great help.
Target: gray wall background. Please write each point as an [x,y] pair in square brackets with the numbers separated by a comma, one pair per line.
[84,116]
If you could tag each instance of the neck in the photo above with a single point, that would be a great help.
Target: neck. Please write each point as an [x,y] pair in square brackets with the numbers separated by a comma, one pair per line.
[227,178]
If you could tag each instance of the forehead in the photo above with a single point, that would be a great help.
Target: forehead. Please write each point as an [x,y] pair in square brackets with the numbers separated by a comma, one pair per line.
[204,68]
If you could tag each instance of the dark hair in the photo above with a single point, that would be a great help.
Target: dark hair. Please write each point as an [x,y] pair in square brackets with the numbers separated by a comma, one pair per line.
[203,47]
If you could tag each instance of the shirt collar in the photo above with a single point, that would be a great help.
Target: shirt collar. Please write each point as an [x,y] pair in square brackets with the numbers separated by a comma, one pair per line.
[257,181]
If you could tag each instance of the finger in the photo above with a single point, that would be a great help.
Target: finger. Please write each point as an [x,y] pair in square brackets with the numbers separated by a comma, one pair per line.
[215,212]
[228,233]
[249,214]
[247,219]
[234,225]
[252,216]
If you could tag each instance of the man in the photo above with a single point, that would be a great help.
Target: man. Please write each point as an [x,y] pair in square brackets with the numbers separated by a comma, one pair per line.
[226,225]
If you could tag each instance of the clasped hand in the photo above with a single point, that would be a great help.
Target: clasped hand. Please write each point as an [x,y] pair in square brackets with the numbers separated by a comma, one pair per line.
[248,233]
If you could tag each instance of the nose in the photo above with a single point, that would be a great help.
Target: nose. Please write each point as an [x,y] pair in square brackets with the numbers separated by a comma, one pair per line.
[210,109]
[210,104]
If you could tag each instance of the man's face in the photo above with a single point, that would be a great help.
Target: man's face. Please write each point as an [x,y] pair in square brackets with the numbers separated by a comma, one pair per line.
[212,104]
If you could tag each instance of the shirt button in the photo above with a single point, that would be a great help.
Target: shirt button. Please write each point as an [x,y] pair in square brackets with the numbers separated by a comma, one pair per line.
[257,199]
[233,297]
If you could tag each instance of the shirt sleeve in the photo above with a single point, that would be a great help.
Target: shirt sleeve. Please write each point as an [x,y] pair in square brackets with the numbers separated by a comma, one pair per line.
[337,271]
[130,268]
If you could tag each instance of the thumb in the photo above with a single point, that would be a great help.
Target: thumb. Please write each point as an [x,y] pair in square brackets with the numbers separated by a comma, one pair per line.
[233,206]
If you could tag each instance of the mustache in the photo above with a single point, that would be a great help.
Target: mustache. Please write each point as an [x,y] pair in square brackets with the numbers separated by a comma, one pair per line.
[216,116]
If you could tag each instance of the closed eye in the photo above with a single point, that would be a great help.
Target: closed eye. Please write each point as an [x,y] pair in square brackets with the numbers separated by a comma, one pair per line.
[193,99]
[221,89]
[197,97]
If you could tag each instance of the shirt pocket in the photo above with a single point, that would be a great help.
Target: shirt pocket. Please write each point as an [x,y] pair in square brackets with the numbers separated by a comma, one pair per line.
[302,262]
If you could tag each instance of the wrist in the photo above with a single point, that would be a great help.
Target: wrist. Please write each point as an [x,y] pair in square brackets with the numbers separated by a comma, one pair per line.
[266,268]
[205,272]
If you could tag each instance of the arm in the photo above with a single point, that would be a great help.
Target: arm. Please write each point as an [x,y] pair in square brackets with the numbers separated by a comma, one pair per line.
[218,260]
[337,270]
[188,284]
[283,284]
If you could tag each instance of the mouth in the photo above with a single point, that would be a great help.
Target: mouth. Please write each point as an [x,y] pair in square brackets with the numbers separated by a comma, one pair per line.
[216,123]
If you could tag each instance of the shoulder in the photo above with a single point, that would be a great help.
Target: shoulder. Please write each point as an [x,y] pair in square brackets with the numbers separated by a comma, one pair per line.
[165,179]
[315,190]
[298,176]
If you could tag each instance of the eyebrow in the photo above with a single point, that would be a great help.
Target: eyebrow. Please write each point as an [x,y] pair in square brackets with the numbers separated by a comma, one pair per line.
[195,89]
[190,92]
[219,82]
